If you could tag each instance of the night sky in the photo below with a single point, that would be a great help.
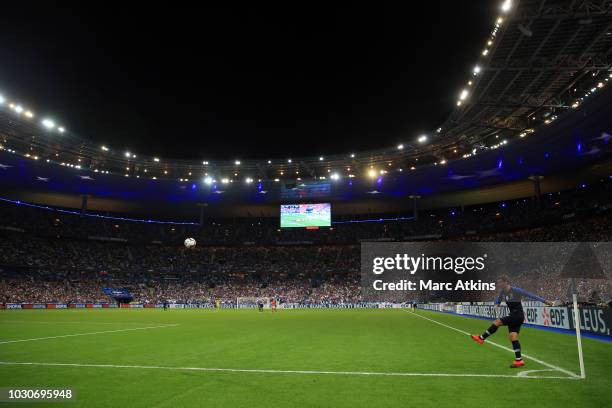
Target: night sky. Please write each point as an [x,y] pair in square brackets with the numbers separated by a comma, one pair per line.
[227,83]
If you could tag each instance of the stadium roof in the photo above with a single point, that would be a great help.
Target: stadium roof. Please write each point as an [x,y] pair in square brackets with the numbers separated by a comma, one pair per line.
[542,58]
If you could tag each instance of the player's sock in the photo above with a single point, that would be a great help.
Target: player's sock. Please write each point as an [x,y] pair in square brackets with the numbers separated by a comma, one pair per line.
[489,332]
[517,350]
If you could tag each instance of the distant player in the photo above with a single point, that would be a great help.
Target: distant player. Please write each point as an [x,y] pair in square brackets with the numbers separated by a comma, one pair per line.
[512,296]
[218,304]
[260,305]
[165,305]
[273,305]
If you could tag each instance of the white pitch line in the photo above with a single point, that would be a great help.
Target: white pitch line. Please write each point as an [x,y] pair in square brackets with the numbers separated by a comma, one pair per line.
[526,373]
[502,347]
[264,371]
[86,334]
[85,323]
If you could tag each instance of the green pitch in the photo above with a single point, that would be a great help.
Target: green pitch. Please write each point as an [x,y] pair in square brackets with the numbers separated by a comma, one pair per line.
[294,358]
[303,220]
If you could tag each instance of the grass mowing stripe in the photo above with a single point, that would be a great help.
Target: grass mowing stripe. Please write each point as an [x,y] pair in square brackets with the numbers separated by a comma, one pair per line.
[87,334]
[576,376]
[81,323]
[267,371]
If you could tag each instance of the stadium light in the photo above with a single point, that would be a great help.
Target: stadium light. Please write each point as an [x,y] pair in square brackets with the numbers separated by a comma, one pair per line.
[269,161]
[29,114]
[2,100]
[208,180]
[128,154]
[48,123]
[237,162]
[321,158]
[205,163]
[156,159]
[476,70]
[506,6]
[18,109]
[400,146]
[422,139]
[372,173]
[61,129]
[104,149]
[224,180]
[352,155]
[463,95]
[289,161]
[335,176]
[248,180]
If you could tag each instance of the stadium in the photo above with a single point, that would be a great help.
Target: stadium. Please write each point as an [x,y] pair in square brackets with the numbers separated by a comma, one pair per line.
[311,207]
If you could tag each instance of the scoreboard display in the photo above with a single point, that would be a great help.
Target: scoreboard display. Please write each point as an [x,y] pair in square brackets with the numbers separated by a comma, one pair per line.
[305,215]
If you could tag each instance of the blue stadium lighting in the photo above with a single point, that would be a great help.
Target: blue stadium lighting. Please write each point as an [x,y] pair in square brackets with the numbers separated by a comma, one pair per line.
[579,147]
[105,217]
[500,164]
[503,205]
[374,220]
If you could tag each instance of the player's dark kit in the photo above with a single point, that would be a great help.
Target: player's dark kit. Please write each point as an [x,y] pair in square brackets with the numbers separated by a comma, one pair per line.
[516,315]
[514,320]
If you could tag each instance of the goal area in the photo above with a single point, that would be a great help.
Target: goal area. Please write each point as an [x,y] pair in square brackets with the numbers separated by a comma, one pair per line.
[250,302]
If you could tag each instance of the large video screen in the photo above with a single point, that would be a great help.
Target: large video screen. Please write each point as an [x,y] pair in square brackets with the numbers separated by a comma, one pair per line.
[305,215]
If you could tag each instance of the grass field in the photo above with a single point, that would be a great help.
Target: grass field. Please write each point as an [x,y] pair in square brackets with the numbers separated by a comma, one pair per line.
[305,220]
[294,358]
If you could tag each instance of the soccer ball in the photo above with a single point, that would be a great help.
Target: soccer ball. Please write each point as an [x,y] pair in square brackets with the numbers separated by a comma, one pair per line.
[190,243]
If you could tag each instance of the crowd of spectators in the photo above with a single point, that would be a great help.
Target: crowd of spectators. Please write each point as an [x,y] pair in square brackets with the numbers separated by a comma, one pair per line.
[472,222]
[49,256]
